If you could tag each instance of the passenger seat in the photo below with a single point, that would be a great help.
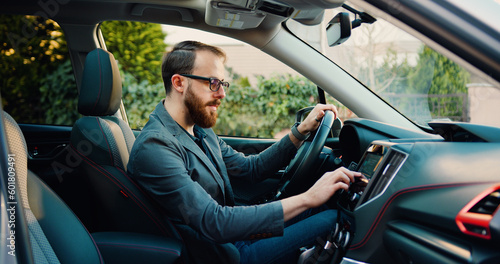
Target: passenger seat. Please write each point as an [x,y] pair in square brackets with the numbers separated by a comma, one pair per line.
[55,233]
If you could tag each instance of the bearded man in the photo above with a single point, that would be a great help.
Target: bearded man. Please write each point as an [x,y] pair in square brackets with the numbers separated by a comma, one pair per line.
[186,168]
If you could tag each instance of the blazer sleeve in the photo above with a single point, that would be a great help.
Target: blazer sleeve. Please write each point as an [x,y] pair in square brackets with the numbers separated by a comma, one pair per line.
[158,165]
[255,168]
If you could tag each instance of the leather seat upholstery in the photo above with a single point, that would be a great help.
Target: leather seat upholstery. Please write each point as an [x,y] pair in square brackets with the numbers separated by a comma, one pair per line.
[103,142]
[55,233]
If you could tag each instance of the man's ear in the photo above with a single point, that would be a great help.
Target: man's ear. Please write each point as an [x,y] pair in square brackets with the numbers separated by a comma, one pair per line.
[177,83]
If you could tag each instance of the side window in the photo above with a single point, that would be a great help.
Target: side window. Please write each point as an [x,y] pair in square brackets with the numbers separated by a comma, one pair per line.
[37,81]
[261,101]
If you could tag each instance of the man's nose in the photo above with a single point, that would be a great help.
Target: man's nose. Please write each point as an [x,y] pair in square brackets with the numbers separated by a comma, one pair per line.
[221,93]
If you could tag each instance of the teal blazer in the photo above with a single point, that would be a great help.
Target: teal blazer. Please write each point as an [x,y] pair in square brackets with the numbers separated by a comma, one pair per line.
[196,194]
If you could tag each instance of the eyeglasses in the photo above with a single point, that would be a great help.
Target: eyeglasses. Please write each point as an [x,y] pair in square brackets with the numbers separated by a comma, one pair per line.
[215,83]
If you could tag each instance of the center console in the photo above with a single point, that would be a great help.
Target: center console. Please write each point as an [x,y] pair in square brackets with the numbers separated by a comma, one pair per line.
[378,165]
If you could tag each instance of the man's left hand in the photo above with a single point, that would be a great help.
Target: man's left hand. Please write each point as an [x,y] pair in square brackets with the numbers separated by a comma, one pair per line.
[312,121]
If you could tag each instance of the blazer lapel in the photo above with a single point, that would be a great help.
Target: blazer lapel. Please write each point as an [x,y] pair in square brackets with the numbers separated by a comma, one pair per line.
[214,147]
[189,144]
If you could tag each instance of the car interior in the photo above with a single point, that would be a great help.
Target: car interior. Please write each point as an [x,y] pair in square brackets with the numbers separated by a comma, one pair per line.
[431,193]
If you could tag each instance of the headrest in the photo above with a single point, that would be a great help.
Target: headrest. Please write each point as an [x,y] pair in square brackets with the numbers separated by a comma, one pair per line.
[18,155]
[101,90]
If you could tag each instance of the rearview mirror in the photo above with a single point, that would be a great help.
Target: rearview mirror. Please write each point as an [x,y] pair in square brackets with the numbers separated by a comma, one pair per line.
[338,29]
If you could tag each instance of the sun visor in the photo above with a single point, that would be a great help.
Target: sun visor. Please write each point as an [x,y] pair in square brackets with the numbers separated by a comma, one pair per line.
[236,15]
[243,14]
[310,12]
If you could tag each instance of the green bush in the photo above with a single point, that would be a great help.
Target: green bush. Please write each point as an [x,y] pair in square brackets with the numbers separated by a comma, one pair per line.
[60,96]
[137,46]
[140,99]
[265,110]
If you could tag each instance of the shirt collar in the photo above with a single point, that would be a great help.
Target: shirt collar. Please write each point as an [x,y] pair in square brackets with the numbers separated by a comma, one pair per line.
[199,133]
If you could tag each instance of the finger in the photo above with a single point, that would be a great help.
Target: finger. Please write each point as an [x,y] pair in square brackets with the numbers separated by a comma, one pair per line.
[350,174]
[320,115]
[339,176]
[335,111]
[342,185]
[346,179]
[330,107]
[333,108]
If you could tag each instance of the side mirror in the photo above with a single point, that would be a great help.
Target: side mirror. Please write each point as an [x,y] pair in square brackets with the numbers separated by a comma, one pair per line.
[338,29]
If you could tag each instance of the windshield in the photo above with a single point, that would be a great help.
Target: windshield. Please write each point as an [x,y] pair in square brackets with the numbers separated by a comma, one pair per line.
[418,81]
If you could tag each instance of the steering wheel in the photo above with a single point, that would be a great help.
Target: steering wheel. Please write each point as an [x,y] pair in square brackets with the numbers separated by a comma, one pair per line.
[297,173]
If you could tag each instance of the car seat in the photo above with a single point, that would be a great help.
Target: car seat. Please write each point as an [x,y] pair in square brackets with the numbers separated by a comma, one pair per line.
[103,142]
[55,233]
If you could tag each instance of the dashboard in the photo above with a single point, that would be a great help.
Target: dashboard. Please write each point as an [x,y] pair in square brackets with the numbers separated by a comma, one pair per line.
[429,198]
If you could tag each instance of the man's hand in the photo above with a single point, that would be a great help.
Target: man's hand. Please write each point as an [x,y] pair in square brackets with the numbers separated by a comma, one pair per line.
[312,121]
[319,193]
[328,184]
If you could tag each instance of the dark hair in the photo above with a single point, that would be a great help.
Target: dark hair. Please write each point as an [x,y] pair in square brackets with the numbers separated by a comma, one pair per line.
[180,60]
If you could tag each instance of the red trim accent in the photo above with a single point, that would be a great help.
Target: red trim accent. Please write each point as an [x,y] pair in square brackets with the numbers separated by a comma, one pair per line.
[465,218]
[375,223]
[124,194]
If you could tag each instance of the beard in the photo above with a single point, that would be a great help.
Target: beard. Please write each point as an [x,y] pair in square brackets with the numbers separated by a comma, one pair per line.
[198,111]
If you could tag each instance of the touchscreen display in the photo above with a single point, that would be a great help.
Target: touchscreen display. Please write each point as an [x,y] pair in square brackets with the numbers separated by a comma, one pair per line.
[370,163]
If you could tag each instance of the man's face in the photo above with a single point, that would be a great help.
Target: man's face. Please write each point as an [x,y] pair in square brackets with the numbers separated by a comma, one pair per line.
[200,101]
[202,113]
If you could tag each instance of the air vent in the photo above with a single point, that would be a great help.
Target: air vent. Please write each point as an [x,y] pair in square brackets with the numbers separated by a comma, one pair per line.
[474,219]
[488,205]
[385,173]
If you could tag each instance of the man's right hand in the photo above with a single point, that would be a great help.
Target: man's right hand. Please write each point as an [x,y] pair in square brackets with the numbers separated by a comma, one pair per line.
[322,190]
[329,184]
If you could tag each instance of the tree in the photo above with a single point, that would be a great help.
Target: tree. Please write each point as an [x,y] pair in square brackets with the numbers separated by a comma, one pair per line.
[31,48]
[447,76]
[444,81]
[37,74]
[137,46]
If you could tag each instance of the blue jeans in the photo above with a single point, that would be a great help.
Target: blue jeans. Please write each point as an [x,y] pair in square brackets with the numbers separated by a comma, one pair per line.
[301,231]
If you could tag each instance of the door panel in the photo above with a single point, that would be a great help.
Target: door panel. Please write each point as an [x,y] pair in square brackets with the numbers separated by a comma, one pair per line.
[51,158]
[248,145]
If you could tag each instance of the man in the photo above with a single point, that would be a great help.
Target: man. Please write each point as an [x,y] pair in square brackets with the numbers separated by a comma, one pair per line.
[179,160]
